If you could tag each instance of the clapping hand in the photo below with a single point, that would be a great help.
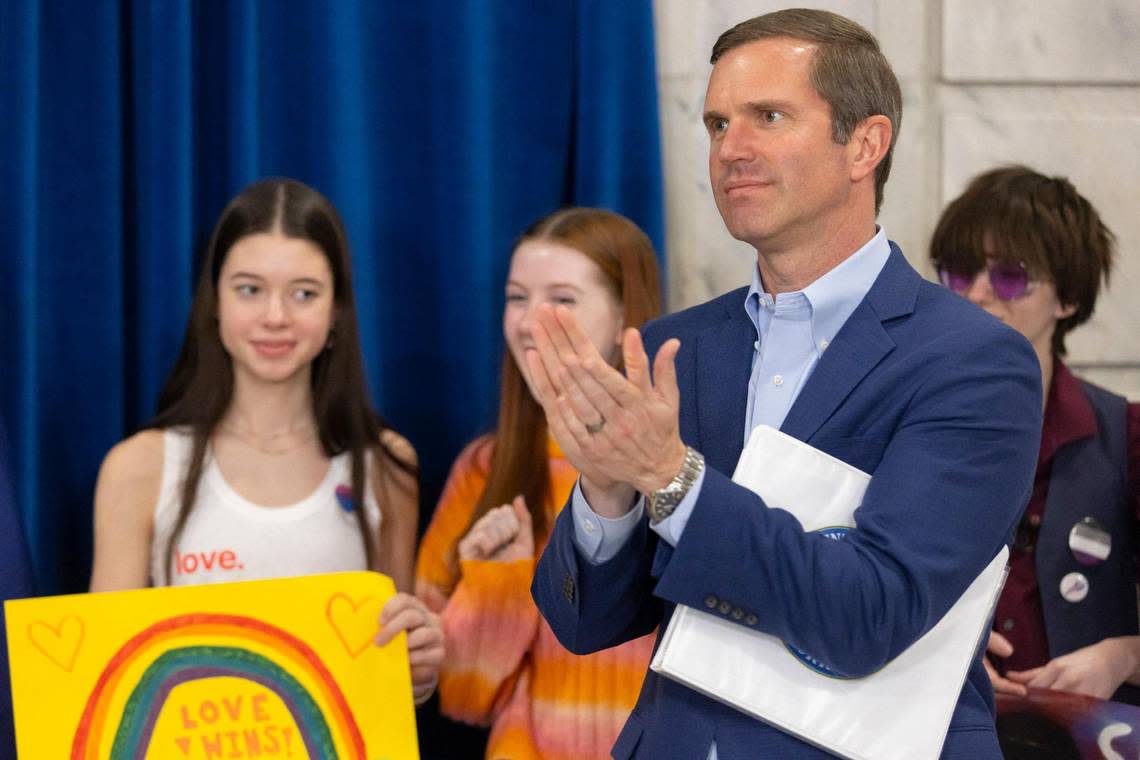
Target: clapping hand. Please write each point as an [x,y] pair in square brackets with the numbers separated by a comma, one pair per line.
[620,431]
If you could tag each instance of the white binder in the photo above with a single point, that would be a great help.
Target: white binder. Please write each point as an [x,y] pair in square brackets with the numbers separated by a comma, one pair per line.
[902,711]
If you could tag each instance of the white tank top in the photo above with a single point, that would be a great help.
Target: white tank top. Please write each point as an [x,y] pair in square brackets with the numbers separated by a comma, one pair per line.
[229,538]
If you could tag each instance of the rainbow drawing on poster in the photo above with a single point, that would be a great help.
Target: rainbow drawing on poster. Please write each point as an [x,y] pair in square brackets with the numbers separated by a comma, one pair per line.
[273,669]
[180,664]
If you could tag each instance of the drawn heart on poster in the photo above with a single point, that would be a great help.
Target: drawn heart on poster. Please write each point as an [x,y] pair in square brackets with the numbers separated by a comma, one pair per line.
[59,643]
[356,623]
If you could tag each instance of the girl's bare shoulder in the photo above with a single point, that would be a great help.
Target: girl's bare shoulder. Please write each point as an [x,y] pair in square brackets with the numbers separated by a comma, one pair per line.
[399,447]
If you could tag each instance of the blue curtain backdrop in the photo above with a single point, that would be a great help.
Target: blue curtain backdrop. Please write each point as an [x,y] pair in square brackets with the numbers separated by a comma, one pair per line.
[440,129]
[15,582]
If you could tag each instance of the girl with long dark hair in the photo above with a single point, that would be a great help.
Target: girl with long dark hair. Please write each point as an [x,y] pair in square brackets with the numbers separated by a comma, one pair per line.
[265,458]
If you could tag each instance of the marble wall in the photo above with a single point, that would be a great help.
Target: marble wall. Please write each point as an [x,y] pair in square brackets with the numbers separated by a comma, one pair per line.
[1054,84]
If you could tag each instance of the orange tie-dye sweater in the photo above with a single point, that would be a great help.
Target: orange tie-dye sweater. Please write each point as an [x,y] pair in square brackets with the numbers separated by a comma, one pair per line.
[504,667]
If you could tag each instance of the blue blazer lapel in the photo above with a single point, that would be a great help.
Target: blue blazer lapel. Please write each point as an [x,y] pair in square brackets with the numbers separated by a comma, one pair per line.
[860,345]
[723,366]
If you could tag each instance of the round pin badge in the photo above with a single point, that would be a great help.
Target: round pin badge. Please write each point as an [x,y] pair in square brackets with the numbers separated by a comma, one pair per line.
[1090,542]
[1074,587]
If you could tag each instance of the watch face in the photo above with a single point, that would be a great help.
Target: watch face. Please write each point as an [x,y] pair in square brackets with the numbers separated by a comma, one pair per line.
[654,511]
[661,506]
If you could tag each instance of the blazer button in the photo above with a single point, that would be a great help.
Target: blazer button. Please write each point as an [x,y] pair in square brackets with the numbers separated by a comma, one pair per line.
[725,608]
[751,620]
[568,587]
[737,613]
[711,601]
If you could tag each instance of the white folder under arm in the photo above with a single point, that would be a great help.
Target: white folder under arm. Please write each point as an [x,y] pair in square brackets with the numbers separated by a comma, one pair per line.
[902,711]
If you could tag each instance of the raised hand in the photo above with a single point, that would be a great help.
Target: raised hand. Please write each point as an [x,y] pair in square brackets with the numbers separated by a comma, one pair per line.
[620,432]
[504,534]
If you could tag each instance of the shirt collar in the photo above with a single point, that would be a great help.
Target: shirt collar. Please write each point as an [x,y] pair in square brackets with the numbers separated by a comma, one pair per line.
[1068,414]
[835,295]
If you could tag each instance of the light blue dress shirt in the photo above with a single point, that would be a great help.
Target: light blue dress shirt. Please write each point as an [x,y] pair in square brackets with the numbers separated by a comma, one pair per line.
[792,332]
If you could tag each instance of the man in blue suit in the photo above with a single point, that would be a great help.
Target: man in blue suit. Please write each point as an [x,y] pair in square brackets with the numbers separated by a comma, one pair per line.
[839,343]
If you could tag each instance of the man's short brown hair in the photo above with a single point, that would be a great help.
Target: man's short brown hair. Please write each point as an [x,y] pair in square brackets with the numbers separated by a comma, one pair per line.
[1016,214]
[848,71]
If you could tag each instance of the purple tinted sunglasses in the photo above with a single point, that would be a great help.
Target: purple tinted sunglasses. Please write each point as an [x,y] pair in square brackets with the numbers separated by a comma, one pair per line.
[1008,279]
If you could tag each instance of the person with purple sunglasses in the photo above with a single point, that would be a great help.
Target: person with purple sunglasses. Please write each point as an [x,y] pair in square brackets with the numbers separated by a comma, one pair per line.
[1033,252]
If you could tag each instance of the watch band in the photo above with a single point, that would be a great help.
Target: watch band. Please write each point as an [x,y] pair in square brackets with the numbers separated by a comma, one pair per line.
[660,504]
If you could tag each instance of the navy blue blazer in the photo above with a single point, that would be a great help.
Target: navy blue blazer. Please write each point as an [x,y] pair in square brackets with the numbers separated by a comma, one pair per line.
[938,400]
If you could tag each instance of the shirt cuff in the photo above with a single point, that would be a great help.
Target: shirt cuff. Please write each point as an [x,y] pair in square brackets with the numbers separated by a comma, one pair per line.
[599,538]
[673,526]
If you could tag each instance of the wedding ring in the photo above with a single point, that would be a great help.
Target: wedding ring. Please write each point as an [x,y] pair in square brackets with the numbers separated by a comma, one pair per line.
[596,427]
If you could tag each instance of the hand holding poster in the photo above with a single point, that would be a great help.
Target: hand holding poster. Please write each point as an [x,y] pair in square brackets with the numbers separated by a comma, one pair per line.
[278,668]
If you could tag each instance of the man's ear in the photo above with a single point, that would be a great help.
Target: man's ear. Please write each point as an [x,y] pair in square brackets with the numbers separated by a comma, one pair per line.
[869,143]
[1065,310]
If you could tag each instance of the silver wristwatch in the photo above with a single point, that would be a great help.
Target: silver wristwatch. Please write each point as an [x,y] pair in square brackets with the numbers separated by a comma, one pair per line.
[660,503]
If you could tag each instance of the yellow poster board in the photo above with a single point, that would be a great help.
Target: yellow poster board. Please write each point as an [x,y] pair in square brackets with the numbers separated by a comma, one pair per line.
[262,669]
